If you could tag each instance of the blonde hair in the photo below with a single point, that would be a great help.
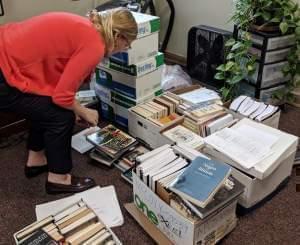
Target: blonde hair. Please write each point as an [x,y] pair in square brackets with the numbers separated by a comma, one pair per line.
[112,22]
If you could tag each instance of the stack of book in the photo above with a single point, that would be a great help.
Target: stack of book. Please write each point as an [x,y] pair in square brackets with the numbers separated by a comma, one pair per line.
[160,111]
[188,181]
[255,110]
[110,143]
[131,77]
[76,224]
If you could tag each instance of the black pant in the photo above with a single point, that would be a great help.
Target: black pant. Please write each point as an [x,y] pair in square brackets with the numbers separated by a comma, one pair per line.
[51,126]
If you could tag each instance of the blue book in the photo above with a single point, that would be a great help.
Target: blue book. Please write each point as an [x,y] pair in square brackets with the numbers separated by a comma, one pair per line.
[201,180]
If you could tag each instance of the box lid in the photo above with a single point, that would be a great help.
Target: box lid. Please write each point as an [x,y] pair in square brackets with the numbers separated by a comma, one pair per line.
[147,24]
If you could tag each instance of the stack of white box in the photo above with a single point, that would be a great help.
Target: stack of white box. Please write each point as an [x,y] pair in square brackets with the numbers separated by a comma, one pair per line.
[131,77]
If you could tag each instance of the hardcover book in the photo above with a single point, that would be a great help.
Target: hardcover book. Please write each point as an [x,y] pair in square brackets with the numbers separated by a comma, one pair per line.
[201,180]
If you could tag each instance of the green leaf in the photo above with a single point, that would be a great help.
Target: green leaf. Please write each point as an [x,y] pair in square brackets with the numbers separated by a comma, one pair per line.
[297,31]
[229,65]
[283,27]
[275,20]
[230,56]
[236,46]
[221,67]
[266,16]
[230,42]
[219,76]
[236,79]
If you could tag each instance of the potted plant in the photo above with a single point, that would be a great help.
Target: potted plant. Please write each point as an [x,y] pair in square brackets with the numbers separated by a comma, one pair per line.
[263,15]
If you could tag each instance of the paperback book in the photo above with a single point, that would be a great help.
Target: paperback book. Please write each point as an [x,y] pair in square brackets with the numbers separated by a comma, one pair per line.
[200,181]
[128,160]
[227,194]
[111,141]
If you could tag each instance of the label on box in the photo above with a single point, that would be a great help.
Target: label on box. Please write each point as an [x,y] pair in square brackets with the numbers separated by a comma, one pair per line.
[176,228]
[138,69]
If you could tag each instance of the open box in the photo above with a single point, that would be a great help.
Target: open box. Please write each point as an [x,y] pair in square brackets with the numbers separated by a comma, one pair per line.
[74,224]
[149,132]
[177,228]
[262,179]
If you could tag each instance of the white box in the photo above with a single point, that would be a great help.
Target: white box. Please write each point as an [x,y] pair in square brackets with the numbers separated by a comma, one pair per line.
[130,86]
[272,121]
[115,106]
[147,24]
[148,131]
[138,69]
[141,49]
[262,179]
[177,228]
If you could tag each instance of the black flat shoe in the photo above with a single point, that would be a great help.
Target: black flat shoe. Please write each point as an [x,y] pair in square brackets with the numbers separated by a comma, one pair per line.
[35,171]
[78,184]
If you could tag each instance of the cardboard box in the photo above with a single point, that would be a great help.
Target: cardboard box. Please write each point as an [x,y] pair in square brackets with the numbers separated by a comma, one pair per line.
[147,24]
[178,229]
[114,106]
[264,177]
[141,49]
[51,219]
[138,69]
[130,86]
[272,121]
[148,131]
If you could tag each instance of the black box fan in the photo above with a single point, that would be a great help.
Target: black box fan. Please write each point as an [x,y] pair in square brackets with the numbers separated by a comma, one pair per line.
[205,52]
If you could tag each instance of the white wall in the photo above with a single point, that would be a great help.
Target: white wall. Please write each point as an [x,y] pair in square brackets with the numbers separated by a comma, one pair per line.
[20,9]
[188,13]
[191,13]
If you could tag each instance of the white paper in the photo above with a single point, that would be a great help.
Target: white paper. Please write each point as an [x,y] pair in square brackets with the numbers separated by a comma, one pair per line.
[240,148]
[261,108]
[200,95]
[251,109]
[103,201]
[267,139]
[245,105]
[79,142]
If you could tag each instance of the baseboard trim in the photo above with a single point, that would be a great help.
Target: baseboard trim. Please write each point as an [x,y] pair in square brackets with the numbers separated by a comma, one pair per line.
[171,58]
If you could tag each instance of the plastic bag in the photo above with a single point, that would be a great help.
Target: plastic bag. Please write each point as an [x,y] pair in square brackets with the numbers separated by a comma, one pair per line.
[173,77]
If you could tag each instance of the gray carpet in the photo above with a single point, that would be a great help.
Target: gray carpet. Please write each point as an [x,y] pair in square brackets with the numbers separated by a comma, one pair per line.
[276,222]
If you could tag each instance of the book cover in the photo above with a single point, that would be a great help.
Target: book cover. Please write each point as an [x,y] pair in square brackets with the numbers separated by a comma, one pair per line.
[40,237]
[222,198]
[111,141]
[201,180]
[180,134]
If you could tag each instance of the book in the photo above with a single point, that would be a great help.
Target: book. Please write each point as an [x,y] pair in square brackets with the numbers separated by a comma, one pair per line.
[129,158]
[201,180]
[180,134]
[100,157]
[127,175]
[111,141]
[40,237]
[222,198]
[79,142]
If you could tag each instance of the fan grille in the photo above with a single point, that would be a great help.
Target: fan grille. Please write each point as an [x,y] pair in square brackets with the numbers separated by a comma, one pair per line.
[206,51]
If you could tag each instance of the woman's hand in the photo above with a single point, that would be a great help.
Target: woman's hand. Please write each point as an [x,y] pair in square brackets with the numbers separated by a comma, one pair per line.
[90,116]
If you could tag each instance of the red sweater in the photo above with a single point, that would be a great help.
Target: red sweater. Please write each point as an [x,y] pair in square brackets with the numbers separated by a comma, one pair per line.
[50,54]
